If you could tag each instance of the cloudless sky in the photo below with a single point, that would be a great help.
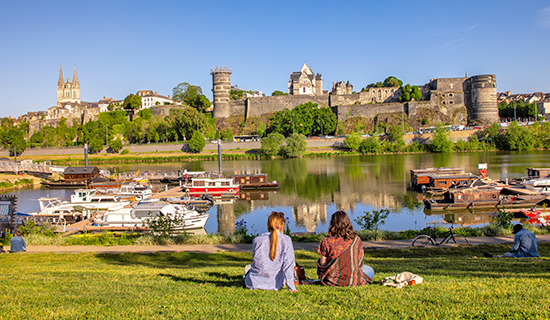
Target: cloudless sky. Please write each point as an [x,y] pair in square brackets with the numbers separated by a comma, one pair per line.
[120,47]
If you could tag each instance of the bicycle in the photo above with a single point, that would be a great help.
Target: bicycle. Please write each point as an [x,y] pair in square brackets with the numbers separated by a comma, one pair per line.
[448,237]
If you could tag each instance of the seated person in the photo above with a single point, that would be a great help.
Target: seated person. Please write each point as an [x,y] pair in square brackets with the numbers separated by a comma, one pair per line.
[273,258]
[17,243]
[341,262]
[525,245]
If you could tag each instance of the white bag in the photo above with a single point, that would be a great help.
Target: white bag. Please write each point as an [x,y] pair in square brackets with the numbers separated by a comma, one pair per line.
[402,279]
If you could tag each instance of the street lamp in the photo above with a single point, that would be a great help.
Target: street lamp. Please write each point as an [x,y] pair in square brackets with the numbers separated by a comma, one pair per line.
[292,123]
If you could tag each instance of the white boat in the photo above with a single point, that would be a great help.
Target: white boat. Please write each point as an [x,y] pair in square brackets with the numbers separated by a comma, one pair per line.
[540,185]
[137,216]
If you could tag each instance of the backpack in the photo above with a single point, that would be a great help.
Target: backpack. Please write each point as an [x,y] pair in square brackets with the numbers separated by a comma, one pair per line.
[402,279]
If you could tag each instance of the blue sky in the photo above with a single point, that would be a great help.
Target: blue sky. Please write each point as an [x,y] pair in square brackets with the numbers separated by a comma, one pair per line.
[120,47]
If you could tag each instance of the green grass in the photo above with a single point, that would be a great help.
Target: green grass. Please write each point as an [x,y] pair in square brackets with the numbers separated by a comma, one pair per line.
[459,283]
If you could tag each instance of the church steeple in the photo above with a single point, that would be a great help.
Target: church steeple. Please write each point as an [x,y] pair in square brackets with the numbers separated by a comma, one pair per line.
[76,83]
[60,82]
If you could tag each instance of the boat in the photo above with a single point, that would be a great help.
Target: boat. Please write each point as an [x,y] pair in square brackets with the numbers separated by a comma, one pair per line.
[211,186]
[540,185]
[479,198]
[138,215]
[420,177]
[201,203]
[130,190]
[254,181]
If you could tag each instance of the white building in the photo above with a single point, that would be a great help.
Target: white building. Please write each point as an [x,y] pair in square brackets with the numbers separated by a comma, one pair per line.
[150,99]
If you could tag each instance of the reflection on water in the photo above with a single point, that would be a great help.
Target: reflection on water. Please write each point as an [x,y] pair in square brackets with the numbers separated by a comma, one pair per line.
[314,188]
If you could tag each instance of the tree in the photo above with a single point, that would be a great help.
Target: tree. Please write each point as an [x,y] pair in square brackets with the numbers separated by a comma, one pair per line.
[370,145]
[146,114]
[272,144]
[410,93]
[115,144]
[392,81]
[279,93]
[186,120]
[396,133]
[352,141]
[305,119]
[190,95]
[296,145]
[441,142]
[518,138]
[14,137]
[197,142]
[132,102]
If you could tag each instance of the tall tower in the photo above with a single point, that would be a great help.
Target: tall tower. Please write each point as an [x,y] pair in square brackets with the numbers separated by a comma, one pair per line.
[480,95]
[221,84]
[68,91]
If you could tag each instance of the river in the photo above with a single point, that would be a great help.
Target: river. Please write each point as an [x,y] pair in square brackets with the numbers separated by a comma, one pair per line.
[314,188]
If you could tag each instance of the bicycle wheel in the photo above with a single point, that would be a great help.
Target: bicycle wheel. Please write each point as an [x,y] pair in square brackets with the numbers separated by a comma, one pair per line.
[457,239]
[422,241]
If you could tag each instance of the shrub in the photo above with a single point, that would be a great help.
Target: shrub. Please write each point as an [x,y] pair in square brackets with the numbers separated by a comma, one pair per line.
[296,145]
[197,142]
[125,151]
[373,221]
[370,145]
[271,145]
[352,141]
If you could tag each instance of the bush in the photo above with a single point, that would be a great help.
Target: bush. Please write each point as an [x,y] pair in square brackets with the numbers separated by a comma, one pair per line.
[197,142]
[352,141]
[370,145]
[296,145]
[125,151]
[373,221]
[271,145]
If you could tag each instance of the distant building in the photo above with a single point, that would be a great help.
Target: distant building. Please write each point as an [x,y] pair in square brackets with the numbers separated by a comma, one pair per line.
[68,91]
[342,88]
[305,82]
[150,99]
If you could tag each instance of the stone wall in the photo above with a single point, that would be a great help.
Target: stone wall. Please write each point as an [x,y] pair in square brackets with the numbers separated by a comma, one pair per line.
[368,111]
[264,105]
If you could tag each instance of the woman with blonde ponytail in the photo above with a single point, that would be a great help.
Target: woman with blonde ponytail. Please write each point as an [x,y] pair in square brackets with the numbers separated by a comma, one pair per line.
[273,258]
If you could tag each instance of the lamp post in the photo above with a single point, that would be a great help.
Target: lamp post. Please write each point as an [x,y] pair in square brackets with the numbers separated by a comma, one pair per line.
[292,123]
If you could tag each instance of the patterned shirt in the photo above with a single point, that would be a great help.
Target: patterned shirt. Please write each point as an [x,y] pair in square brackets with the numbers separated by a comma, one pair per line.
[333,247]
[271,275]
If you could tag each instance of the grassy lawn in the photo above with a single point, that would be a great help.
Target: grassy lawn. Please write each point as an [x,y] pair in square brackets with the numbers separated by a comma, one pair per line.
[459,283]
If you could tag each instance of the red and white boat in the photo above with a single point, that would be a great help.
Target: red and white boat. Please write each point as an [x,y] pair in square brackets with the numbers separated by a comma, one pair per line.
[210,186]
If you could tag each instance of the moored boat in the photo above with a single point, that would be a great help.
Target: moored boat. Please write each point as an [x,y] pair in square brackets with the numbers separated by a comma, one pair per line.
[254,181]
[481,197]
[214,187]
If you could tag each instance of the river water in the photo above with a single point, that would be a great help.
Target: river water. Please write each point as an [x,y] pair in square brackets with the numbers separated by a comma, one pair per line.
[314,188]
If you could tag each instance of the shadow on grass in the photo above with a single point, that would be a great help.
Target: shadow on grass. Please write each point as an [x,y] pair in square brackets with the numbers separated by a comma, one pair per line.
[178,259]
[221,279]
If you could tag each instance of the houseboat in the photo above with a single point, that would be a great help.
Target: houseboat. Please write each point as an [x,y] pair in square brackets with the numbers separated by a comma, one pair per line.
[254,181]
[211,186]
[420,177]
[77,177]
[481,197]
[446,181]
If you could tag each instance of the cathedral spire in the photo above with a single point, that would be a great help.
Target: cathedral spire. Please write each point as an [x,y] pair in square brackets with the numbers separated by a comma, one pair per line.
[60,82]
[75,78]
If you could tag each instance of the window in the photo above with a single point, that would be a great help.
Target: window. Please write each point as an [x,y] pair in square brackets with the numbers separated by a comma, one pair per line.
[450,94]
[451,102]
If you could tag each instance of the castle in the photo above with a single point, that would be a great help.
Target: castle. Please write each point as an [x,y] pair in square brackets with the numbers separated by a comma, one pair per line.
[457,100]
[68,91]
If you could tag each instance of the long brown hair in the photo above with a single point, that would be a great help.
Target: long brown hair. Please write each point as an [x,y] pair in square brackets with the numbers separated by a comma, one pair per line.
[276,221]
[340,226]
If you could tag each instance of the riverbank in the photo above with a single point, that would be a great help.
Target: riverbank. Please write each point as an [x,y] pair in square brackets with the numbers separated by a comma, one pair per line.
[10,182]
[245,247]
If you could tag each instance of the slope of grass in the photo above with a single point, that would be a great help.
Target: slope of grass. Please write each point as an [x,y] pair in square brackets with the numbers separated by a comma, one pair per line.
[459,283]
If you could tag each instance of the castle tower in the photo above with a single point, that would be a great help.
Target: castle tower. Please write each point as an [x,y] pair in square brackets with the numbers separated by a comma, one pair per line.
[480,95]
[68,91]
[221,84]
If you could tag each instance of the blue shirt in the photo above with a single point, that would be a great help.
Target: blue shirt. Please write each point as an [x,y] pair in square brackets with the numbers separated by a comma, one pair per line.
[271,275]
[525,244]
[18,244]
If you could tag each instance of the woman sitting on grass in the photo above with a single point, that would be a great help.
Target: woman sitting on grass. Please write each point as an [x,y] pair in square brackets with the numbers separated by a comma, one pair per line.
[273,258]
[341,262]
